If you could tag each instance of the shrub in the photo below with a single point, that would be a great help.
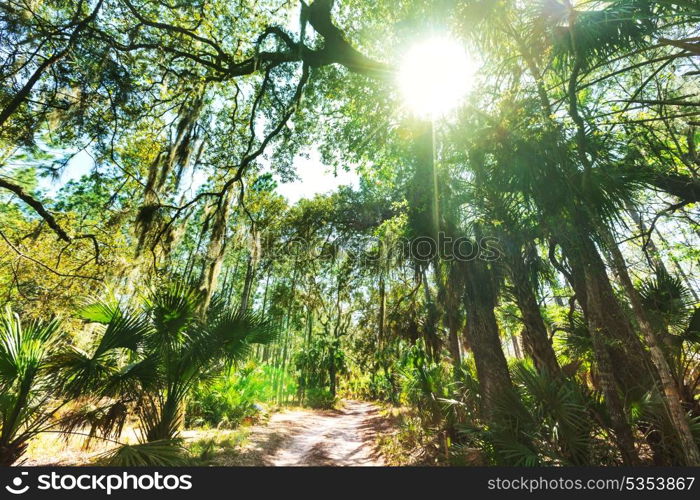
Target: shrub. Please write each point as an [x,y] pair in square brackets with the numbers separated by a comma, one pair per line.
[319,398]
[228,400]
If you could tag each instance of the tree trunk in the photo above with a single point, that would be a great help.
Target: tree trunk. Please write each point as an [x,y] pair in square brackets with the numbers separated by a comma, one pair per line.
[631,363]
[483,336]
[248,284]
[381,320]
[670,393]
[535,338]
[634,373]
[516,346]
[331,372]
[606,376]
[216,250]
[619,356]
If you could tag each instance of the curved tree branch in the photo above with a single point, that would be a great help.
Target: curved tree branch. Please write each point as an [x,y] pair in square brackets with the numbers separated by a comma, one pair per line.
[38,208]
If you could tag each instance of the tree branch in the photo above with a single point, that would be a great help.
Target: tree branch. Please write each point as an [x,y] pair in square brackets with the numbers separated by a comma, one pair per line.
[38,208]
[41,264]
[683,187]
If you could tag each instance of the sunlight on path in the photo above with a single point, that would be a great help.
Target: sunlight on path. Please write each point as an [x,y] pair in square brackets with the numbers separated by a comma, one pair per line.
[334,437]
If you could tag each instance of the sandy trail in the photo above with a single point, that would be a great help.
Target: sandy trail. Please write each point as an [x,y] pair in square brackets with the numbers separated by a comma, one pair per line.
[326,438]
[344,437]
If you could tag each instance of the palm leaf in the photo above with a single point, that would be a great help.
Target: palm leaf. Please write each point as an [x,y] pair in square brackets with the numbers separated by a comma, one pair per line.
[98,312]
[235,331]
[173,308]
[163,453]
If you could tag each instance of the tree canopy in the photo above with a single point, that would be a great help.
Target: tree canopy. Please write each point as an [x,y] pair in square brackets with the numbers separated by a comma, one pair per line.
[521,270]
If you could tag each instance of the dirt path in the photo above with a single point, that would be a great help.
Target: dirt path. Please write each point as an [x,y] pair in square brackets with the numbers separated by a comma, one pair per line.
[344,437]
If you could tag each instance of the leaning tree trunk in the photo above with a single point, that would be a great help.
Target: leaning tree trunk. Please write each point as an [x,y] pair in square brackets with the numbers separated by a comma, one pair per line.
[536,340]
[632,366]
[634,377]
[606,377]
[618,354]
[670,393]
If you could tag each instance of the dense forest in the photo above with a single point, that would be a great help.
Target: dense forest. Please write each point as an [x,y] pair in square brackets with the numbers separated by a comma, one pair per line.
[513,276]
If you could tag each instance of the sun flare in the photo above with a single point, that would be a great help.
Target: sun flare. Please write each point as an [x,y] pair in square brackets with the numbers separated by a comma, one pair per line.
[435,76]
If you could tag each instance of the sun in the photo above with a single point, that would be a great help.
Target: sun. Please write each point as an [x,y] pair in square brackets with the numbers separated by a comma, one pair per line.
[435,76]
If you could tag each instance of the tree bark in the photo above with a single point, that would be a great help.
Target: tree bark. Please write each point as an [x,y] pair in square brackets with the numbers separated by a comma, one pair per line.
[216,250]
[606,376]
[670,393]
[631,362]
[535,338]
[484,339]
[248,284]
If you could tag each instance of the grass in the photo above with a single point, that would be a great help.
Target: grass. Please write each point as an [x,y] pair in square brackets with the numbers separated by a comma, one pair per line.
[70,450]
[404,441]
[205,445]
[212,447]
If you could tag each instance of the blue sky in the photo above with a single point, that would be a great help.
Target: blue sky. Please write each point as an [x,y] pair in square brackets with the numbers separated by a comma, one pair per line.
[314,177]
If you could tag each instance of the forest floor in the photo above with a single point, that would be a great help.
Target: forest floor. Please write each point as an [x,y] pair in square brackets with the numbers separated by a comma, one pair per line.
[346,436]
[300,437]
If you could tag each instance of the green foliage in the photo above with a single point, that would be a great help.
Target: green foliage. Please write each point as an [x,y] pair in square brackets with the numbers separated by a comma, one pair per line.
[164,453]
[226,401]
[319,398]
[318,365]
[424,382]
[27,385]
[176,126]
[563,422]
[150,360]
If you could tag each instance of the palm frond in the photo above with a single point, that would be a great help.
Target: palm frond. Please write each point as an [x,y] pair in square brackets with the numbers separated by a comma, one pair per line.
[100,372]
[561,407]
[692,331]
[174,308]
[99,311]
[235,331]
[595,30]
[26,383]
[665,294]
[24,348]
[163,453]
